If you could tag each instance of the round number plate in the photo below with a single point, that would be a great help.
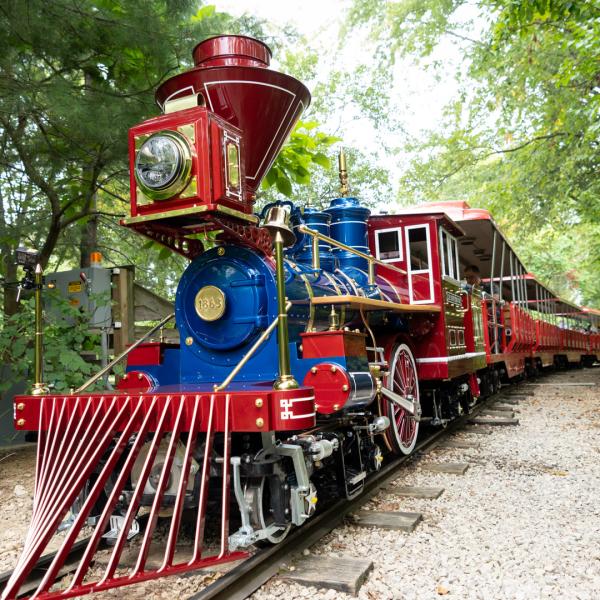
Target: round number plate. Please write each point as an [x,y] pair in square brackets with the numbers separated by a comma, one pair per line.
[210,303]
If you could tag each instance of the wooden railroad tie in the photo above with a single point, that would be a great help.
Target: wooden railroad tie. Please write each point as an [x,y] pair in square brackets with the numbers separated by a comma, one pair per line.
[476,429]
[513,399]
[507,414]
[519,392]
[396,521]
[458,444]
[493,421]
[412,491]
[345,574]
[504,406]
[453,468]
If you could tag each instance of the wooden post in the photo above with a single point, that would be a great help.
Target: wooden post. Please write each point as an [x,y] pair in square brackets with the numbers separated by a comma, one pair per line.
[123,308]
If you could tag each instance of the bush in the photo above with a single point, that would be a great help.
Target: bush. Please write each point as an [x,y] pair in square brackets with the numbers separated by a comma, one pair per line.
[66,336]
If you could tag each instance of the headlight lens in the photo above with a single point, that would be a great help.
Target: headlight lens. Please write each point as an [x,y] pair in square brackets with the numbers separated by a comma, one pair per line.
[162,165]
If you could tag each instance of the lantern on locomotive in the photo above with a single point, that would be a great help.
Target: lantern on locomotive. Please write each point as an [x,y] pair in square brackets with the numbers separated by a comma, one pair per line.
[197,166]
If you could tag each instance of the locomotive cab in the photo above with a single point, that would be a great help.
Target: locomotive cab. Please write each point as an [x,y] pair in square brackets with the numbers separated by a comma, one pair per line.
[426,246]
[447,347]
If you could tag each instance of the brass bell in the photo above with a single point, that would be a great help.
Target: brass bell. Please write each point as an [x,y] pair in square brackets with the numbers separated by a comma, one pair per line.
[277,221]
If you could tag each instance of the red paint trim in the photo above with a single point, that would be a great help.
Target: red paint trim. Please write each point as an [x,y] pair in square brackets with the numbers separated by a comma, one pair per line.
[279,410]
[323,344]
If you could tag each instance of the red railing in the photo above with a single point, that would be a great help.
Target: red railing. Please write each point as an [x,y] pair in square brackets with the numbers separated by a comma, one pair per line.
[519,329]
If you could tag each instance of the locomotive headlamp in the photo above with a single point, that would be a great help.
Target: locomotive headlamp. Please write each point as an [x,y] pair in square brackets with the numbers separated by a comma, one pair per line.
[163,164]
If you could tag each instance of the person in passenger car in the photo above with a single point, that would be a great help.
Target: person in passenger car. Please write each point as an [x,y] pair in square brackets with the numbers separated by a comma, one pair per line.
[473,276]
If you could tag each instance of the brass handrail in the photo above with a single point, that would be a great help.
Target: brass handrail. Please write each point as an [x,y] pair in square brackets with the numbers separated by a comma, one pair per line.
[265,334]
[123,354]
[371,259]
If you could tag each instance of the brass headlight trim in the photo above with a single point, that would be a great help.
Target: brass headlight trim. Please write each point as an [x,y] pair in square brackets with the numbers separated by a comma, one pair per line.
[181,178]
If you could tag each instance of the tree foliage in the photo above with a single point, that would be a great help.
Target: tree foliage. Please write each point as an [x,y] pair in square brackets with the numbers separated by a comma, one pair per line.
[305,150]
[74,76]
[522,138]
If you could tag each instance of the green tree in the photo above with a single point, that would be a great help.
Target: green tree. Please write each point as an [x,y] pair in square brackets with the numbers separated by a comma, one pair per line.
[522,137]
[74,76]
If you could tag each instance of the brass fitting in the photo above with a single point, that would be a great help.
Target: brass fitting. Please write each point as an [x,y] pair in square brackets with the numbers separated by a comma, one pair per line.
[343,173]
[334,320]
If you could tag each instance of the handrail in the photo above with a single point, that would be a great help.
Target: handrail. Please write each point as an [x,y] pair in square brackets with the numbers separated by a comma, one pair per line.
[372,260]
[123,354]
[265,334]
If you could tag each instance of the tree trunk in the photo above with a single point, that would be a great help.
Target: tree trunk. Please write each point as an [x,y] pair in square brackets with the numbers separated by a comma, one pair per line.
[54,231]
[89,228]
[9,267]
[10,292]
[89,239]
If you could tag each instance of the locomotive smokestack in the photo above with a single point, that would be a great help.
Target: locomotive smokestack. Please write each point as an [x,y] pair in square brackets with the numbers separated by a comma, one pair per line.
[232,76]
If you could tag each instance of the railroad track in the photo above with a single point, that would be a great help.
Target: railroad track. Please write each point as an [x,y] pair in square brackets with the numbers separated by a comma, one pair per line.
[43,563]
[248,576]
[252,573]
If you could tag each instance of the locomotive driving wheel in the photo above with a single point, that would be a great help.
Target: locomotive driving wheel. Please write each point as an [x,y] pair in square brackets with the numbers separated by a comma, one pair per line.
[402,433]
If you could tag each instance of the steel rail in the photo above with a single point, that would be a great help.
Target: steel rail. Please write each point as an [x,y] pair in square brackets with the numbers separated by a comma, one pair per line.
[255,571]
[38,572]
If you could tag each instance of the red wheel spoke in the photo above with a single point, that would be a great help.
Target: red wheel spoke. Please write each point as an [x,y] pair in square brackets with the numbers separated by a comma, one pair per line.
[403,381]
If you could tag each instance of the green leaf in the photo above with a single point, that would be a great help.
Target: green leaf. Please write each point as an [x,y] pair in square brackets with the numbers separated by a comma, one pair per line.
[203,13]
[284,186]
[322,160]
[164,253]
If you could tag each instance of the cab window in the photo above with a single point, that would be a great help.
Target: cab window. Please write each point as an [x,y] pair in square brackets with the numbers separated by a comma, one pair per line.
[388,244]
[449,254]
[418,245]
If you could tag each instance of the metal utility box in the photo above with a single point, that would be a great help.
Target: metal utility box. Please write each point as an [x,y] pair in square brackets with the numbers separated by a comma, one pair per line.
[88,289]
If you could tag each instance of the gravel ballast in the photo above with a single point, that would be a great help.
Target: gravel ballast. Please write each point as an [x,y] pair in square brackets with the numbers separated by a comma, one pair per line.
[523,522]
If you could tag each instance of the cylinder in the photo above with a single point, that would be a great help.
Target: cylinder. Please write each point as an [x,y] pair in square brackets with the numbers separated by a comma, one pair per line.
[337,388]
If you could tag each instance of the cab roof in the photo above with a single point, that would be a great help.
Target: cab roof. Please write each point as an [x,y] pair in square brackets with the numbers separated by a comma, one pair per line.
[439,215]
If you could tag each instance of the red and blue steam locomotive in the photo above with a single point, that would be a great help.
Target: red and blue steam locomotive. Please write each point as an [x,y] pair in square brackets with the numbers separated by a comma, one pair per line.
[312,343]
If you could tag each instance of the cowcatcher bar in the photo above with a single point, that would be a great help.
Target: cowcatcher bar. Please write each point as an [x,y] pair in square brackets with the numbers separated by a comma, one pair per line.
[87,451]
